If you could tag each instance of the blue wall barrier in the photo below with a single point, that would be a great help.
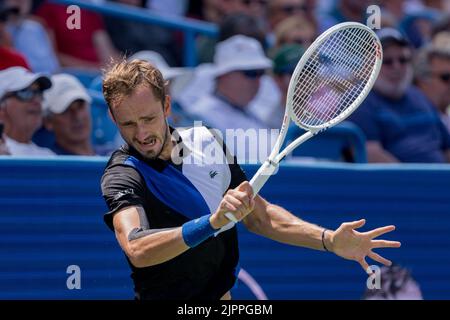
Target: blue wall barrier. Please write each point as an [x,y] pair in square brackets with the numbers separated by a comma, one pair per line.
[51,217]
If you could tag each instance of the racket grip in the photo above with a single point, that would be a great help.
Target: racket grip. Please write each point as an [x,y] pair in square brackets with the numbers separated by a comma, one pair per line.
[257,182]
[231,217]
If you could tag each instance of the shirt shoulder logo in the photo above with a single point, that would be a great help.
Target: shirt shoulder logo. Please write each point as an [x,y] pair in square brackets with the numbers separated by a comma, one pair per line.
[123,193]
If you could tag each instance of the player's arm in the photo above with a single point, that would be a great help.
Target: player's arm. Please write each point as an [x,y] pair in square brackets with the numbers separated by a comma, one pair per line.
[146,247]
[276,223]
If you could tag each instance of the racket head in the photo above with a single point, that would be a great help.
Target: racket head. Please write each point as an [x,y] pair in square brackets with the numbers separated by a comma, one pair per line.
[334,76]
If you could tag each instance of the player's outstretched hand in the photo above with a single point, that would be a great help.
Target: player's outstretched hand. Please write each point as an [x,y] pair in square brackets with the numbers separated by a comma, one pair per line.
[350,244]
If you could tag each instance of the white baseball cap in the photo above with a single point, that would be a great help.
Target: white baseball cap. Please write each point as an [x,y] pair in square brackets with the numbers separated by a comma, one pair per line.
[159,62]
[65,90]
[240,53]
[18,78]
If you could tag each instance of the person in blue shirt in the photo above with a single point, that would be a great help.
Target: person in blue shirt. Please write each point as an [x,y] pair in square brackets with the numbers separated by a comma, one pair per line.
[399,122]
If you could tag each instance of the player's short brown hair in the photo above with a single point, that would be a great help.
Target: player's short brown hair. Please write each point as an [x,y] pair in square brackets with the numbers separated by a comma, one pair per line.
[122,79]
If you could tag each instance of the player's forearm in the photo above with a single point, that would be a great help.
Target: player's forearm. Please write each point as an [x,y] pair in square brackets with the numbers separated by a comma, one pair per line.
[156,246]
[282,226]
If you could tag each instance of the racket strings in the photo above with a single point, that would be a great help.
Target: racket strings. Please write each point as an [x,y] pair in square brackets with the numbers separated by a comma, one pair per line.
[322,101]
[334,76]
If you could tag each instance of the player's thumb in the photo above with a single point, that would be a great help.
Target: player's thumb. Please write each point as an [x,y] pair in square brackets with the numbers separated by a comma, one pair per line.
[246,187]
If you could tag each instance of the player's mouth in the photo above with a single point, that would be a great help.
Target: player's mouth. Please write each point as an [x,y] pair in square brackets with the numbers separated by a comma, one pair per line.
[148,144]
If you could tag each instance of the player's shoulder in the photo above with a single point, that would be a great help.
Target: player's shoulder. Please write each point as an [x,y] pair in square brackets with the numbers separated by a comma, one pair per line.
[117,169]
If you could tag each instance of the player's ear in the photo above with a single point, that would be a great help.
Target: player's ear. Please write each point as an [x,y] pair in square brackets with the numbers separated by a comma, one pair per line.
[167,106]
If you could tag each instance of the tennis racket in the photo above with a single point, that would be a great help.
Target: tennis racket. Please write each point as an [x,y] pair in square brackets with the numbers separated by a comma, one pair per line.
[330,81]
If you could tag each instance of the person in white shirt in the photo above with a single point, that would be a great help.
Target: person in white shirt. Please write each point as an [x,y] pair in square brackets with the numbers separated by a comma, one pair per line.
[21,94]
[67,112]
[239,64]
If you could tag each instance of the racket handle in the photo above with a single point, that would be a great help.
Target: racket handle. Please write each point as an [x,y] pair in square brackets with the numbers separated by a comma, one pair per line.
[231,217]
[262,175]
[257,182]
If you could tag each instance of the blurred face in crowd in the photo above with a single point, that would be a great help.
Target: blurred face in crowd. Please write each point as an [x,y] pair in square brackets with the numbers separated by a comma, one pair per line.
[23,5]
[141,119]
[240,87]
[437,85]
[282,81]
[282,9]
[134,3]
[215,10]
[73,126]
[396,71]
[21,113]
[303,37]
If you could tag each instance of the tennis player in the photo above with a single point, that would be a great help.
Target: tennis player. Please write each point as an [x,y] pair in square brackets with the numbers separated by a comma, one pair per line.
[169,216]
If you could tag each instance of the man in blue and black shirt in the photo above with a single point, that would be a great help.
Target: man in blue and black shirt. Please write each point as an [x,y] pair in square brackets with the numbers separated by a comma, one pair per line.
[168,194]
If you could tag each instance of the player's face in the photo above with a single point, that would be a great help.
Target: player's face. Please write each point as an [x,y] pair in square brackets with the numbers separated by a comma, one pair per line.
[142,122]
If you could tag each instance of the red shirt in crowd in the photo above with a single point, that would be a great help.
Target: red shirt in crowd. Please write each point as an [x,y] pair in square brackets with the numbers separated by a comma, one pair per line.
[11,58]
[78,43]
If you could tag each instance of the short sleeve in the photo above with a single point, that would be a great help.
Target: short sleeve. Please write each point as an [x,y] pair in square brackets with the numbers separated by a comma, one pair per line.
[122,187]
[365,118]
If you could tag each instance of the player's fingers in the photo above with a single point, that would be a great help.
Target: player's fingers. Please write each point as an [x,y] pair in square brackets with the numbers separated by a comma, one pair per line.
[242,196]
[252,203]
[364,265]
[380,231]
[385,244]
[233,200]
[228,206]
[246,187]
[240,207]
[378,258]
[355,224]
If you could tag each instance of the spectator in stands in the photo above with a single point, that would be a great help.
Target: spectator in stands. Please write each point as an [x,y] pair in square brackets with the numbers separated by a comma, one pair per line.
[20,109]
[130,36]
[292,30]
[279,10]
[396,284]
[8,56]
[239,64]
[231,25]
[88,48]
[432,71]
[284,62]
[216,10]
[399,122]
[67,114]
[347,10]
[31,39]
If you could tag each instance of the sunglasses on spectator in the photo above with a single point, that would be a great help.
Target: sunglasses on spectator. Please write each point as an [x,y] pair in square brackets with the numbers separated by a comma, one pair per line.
[444,77]
[291,9]
[25,95]
[401,60]
[253,74]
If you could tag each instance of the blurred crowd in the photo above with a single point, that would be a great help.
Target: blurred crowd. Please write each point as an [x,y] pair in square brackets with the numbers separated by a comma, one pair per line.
[50,76]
